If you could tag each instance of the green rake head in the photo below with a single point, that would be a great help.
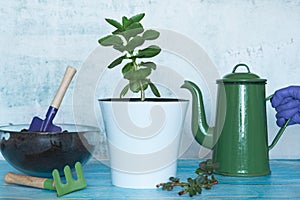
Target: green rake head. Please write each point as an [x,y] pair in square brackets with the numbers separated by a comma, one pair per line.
[71,184]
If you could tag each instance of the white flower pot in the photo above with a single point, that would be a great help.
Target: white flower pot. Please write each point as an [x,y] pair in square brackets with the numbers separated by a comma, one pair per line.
[143,139]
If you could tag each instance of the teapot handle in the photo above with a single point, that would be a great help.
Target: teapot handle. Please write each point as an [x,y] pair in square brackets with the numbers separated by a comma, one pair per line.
[281,130]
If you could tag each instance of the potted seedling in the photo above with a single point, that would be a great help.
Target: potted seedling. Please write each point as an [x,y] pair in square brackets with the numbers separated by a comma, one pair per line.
[143,133]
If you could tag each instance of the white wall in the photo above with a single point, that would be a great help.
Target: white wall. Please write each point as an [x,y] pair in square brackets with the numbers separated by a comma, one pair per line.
[39,38]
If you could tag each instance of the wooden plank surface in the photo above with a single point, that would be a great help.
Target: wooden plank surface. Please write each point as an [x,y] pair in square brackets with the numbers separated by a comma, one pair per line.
[284,182]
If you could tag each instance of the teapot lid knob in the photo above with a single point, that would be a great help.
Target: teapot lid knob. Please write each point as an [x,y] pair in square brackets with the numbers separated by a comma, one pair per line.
[241,64]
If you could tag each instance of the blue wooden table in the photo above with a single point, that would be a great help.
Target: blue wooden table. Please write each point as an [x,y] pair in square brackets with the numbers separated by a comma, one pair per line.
[284,182]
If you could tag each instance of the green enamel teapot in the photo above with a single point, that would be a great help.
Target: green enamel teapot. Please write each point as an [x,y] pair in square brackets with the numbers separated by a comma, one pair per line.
[239,139]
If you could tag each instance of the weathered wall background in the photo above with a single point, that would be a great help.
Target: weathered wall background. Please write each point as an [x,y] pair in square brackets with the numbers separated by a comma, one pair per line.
[39,38]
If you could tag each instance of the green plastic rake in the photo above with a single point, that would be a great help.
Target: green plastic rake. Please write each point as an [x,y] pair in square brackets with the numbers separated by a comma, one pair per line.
[71,184]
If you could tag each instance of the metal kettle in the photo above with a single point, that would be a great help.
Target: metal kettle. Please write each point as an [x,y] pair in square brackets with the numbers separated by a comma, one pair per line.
[239,139]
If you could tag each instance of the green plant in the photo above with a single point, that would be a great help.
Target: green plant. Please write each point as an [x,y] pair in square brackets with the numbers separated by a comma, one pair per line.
[205,179]
[129,35]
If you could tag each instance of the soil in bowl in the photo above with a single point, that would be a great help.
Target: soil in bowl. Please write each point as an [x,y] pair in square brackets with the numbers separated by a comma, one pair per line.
[37,153]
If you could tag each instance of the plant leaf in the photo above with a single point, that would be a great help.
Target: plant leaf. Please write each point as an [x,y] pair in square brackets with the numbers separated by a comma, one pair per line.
[135,19]
[135,86]
[120,48]
[145,84]
[138,17]
[148,52]
[150,34]
[128,67]
[126,22]
[136,26]
[139,74]
[154,89]
[117,61]
[132,30]
[118,31]
[152,65]
[134,42]
[124,90]
[110,40]
[114,23]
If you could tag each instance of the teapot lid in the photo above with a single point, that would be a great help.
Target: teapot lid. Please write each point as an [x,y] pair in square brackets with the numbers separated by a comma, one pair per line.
[241,77]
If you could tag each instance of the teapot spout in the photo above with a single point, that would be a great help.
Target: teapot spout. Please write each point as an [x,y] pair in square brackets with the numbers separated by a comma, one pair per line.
[200,129]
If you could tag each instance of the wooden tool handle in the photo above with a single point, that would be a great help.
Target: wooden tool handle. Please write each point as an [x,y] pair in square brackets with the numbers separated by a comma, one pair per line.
[70,72]
[24,180]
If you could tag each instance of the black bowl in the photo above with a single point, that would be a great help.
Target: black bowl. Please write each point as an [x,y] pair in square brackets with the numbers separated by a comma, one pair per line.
[39,153]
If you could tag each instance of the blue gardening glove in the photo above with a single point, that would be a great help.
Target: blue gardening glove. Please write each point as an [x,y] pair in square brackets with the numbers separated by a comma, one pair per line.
[286,102]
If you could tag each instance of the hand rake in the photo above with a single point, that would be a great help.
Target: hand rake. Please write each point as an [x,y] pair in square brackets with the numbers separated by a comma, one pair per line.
[71,184]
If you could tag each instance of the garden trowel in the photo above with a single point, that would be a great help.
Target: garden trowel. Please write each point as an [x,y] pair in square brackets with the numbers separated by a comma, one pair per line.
[46,125]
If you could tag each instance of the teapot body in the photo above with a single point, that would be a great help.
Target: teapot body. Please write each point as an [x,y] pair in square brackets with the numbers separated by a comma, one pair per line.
[240,134]
[239,139]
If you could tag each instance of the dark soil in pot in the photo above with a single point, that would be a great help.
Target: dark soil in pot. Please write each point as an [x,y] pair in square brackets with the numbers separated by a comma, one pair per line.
[38,153]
